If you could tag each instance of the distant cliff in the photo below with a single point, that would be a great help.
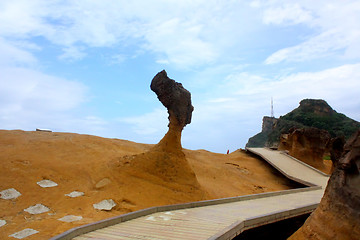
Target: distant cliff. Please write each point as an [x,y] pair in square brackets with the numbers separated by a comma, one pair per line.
[311,113]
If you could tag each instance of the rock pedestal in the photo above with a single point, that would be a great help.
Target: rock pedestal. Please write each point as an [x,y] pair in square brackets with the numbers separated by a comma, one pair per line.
[165,163]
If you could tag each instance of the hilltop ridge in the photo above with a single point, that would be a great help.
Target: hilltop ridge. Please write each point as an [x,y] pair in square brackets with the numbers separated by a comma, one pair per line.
[316,113]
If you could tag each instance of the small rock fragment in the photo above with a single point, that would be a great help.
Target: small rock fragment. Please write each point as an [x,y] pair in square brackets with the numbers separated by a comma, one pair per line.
[70,218]
[2,223]
[24,233]
[37,209]
[106,204]
[102,183]
[75,194]
[47,183]
[10,193]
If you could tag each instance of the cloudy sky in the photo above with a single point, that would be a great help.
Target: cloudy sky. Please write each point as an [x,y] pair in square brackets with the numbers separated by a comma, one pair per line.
[85,66]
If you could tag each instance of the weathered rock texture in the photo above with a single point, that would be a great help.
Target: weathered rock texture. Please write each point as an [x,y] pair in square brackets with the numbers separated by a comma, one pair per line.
[166,160]
[307,145]
[338,215]
[174,97]
[177,100]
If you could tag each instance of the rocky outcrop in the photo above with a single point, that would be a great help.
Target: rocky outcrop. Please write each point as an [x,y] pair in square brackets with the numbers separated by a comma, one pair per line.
[318,107]
[165,163]
[338,214]
[261,139]
[268,124]
[315,113]
[177,100]
[307,145]
[174,97]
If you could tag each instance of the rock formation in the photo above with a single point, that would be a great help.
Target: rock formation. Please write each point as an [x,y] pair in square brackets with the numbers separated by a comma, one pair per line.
[310,113]
[177,100]
[307,145]
[338,214]
[165,163]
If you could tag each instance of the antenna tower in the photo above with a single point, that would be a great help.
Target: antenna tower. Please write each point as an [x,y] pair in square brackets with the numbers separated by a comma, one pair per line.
[272,108]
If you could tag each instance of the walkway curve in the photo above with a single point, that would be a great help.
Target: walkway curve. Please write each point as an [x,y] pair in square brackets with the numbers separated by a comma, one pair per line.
[216,219]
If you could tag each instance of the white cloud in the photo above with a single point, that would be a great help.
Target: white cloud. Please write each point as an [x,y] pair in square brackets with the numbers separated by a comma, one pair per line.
[30,99]
[287,14]
[331,35]
[72,53]
[337,85]
[30,89]
[181,43]
[10,54]
[234,113]
[185,34]
[324,45]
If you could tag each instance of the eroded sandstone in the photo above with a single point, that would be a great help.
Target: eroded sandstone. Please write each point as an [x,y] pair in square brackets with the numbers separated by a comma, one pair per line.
[165,163]
[307,144]
[338,214]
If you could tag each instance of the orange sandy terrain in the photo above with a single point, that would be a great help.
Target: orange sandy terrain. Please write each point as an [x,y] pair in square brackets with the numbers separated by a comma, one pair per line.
[85,163]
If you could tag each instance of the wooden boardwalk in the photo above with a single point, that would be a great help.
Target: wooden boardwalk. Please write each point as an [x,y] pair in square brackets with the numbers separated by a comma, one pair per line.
[216,219]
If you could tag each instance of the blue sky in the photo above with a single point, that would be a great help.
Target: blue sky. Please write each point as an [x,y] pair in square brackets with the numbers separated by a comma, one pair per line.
[85,66]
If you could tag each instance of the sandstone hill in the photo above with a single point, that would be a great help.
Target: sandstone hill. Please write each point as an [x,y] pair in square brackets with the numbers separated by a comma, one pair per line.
[314,113]
[82,163]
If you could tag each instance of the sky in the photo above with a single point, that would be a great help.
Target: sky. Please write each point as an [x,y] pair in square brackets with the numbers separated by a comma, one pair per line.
[85,66]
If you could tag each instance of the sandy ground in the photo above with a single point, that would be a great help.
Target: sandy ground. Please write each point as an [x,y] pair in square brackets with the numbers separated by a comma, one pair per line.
[83,163]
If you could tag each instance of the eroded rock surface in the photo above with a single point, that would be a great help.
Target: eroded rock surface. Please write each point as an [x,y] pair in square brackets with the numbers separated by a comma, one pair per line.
[306,144]
[165,164]
[174,97]
[338,215]
[177,100]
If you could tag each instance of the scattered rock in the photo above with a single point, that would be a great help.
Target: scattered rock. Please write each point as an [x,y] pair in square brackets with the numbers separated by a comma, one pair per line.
[47,183]
[2,223]
[10,193]
[37,209]
[70,218]
[75,194]
[106,204]
[102,183]
[24,233]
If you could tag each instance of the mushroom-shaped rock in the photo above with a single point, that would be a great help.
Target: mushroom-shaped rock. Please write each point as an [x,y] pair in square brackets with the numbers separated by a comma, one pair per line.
[165,163]
[174,97]
[177,100]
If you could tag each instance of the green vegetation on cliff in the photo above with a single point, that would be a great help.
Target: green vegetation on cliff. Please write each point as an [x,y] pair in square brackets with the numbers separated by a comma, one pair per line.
[311,113]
